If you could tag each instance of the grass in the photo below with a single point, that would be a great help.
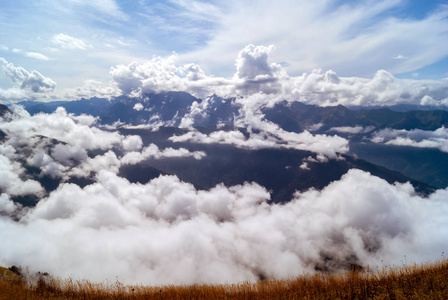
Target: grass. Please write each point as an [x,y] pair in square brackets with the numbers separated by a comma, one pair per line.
[427,281]
[6,274]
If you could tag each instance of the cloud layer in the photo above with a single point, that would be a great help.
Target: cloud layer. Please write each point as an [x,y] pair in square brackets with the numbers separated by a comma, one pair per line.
[167,232]
[255,74]
[414,138]
[63,145]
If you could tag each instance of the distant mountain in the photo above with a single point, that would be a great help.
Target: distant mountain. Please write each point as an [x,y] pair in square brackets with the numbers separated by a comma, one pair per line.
[168,108]
[297,116]
[276,169]
[230,165]
[3,110]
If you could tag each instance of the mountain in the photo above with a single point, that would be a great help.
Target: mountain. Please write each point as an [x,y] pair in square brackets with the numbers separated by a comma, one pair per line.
[297,116]
[172,108]
[168,108]
[278,170]
[3,110]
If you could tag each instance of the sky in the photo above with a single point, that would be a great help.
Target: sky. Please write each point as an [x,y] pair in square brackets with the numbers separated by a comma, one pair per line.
[75,43]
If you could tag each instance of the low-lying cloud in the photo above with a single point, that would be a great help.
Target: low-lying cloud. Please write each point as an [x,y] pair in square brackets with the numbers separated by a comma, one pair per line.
[437,139]
[62,145]
[322,144]
[167,232]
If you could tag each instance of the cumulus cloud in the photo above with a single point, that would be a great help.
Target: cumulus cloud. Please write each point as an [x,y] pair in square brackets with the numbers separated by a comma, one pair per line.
[414,138]
[138,106]
[162,74]
[6,205]
[152,151]
[33,80]
[327,89]
[57,143]
[68,42]
[326,145]
[61,145]
[63,127]
[10,181]
[167,232]
[255,74]
[352,130]
[262,133]
[132,143]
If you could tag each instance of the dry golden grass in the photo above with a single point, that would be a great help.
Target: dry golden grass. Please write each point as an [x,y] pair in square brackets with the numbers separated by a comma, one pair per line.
[428,281]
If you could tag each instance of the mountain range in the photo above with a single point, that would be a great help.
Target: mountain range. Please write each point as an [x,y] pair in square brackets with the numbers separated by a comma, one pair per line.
[280,170]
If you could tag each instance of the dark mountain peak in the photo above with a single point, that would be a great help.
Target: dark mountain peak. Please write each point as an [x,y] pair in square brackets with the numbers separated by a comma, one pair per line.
[4,110]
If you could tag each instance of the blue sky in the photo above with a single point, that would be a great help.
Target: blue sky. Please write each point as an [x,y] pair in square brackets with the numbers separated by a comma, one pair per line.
[71,41]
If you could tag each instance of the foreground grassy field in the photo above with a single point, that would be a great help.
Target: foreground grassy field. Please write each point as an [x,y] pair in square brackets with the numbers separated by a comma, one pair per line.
[428,281]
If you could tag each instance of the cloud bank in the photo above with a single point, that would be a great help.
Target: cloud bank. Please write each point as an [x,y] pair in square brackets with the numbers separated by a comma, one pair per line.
[437,139]
[255,74]
[63,145]
[167,232]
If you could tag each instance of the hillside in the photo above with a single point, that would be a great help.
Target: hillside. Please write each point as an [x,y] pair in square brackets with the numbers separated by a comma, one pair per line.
[428,281]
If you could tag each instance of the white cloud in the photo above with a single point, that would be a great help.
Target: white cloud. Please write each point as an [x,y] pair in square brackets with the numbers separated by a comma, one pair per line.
[10,181]
[36,55]
[138,106]
[68,42]
[132,143]
[90,89]
[152,151]
[6,205]
[352,130]
[58,143]
[161,74]
[255,74]
[414,138]
[167,232]
[252,64]
[278,138]
[108,161]
[33,80]
[354,39]
[327,89]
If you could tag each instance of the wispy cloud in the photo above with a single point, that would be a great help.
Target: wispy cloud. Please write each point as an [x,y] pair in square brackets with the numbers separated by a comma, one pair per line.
[353,39]
[36,55]
[68,42]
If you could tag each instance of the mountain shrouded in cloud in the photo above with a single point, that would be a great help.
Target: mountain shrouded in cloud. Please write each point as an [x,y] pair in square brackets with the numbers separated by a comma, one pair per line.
[187,142]
[245,200]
